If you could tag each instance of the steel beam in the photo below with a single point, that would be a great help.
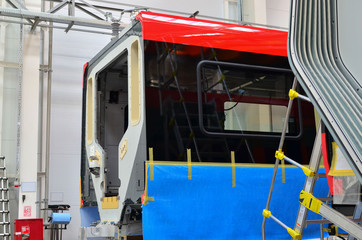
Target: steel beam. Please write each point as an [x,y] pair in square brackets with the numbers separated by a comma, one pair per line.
[35,24]
[20,13]
[16,4]
[88,12]
[58,27]
[58,7]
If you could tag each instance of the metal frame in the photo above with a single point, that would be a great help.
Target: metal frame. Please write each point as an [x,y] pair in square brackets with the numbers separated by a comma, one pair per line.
[300,223]
[42,16]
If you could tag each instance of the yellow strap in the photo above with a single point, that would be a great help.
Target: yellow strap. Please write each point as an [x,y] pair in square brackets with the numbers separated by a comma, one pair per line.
[146,197]
[189,162]
[280,155]
[283,171]
[150,152]
[81,195]
[233,167]
[293,94]
[309,201]
[294,234]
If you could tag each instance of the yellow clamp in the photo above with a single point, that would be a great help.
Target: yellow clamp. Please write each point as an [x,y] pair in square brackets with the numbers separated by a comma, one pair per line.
[148,199]
[266,213]
[172,122]
[174,73]
[309,201]
[222,78]
[294,234]
[332,230]
[279,154]
[293,94]
[213,53]
[191,135]
[308,172]
[181,100]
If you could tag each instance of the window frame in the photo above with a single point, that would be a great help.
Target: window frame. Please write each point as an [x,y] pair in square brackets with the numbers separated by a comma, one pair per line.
[202,63]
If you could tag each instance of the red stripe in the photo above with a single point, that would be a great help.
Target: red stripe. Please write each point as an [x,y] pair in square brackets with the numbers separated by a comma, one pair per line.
[84,68]
[326,163]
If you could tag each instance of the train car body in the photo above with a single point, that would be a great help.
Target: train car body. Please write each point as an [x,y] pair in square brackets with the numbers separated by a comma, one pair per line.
[169,84]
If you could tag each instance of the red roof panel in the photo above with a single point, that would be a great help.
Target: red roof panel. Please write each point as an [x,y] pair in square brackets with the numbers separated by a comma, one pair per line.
[204,33]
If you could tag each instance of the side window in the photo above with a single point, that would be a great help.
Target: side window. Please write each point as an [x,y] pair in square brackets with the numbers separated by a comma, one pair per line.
[254,98]
[90,111]
[216,106]
[254,117]
[134,66]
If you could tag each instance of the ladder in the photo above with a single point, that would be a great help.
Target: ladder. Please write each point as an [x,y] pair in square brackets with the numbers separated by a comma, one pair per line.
[209,149]
[171,53]
[307,201]
[4,202]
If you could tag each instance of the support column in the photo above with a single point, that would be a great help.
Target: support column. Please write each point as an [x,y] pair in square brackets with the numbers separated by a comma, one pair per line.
[29,126]
[2,59]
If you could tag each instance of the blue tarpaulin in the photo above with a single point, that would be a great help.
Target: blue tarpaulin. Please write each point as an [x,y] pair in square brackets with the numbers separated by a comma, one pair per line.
[208,207]
[88,215]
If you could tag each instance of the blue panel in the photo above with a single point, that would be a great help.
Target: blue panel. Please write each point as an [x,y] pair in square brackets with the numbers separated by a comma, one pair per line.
[208,207]
[88,215]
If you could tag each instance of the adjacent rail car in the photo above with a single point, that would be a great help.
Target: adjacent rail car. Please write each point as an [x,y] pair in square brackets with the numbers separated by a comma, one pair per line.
[173,83]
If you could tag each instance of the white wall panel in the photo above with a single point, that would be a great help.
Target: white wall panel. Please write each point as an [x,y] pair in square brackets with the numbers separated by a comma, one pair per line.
[70,52]
[278,12]
[206,7]
[9,129]
[350,36]
[29,122]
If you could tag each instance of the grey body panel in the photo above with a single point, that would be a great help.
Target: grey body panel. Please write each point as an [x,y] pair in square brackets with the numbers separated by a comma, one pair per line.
[314,56]
[116,143]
